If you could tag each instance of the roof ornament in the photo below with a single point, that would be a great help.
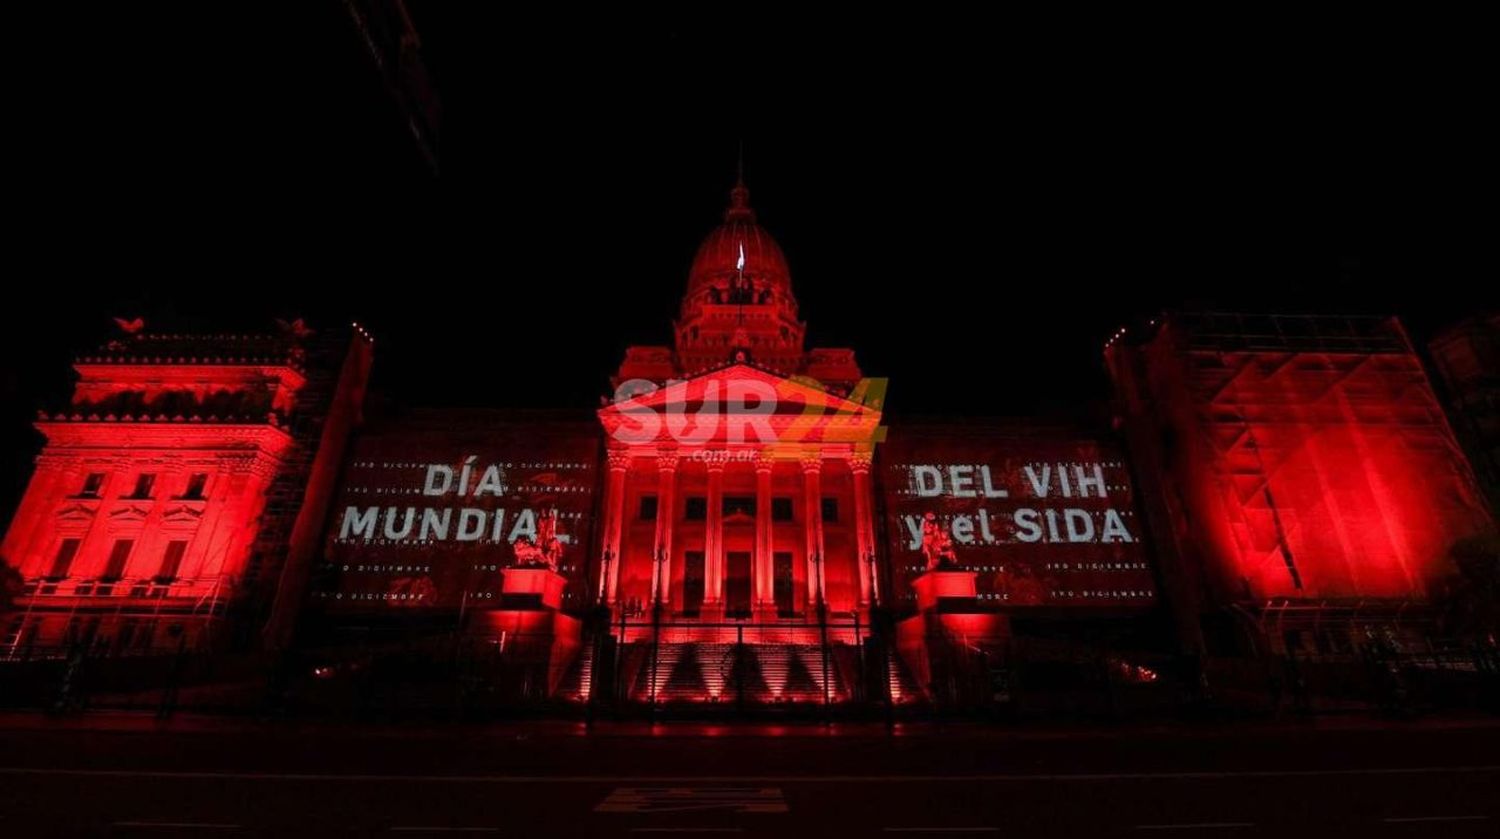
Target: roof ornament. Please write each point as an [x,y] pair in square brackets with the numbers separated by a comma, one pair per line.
[297,329]
[739,197]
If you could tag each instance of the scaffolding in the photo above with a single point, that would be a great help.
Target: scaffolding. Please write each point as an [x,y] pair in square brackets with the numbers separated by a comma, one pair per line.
[1325,452]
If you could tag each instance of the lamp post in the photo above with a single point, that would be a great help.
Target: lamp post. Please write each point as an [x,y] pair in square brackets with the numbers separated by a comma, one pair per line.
[661,559]
[822,606]
[817,562]
[604,576]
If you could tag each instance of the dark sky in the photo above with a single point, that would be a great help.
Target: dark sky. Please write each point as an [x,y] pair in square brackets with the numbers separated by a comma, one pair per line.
[953,196]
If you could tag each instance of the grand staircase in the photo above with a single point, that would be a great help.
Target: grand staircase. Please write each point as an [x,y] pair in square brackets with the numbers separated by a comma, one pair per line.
[903,687]
[579,678]
[768,673]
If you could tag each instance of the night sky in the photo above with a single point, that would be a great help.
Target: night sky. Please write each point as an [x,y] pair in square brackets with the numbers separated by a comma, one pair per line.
[972,207]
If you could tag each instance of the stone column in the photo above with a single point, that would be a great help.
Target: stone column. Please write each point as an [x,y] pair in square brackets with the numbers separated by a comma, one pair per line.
[812,484]
[765,544]
[661,559]
[713,532]
[864,528]
[614,524]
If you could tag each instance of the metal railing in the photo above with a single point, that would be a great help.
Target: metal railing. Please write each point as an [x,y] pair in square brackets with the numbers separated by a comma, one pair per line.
[138,587]
[650,655]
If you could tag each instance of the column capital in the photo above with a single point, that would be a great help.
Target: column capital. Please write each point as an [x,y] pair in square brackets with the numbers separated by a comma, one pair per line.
[666,460]
[619,458]
[859,462]
[765,462]
[715,459]
[812,461]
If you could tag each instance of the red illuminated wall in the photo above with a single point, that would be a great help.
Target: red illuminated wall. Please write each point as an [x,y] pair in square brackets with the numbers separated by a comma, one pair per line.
[451,555]
[1047,518]
[138,527]
[1296,457]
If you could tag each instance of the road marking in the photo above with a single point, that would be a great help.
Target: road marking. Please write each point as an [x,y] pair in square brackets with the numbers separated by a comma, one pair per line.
[1197,826]
[747,779]
[681,799]
[1405,819]
[180,825]
[446,829]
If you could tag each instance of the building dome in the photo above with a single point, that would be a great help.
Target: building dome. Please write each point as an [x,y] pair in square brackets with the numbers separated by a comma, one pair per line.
[718,261]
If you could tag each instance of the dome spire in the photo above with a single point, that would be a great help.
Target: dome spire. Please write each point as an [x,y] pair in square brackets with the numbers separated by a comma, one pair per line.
[739,197]
[739,249]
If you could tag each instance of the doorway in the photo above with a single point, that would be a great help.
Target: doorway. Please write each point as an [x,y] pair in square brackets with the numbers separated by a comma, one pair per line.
[737,584]
[783,585]
[692,583]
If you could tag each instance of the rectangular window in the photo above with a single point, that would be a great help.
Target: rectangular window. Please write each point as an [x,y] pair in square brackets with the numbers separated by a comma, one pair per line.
[171,561]
[64,559]
[92,485]
[647,510]
[143,484]
[739,505]
[697,508]
[737,584]
[195,486]
[114,569]
[830,509]
[781,509]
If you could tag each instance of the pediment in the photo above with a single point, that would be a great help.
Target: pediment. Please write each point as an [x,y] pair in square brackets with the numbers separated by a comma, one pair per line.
[741,384]
[703,407]
[133,512]
[76,512]
[181,513]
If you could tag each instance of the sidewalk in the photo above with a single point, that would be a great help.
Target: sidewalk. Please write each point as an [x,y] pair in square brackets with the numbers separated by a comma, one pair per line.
[187,723]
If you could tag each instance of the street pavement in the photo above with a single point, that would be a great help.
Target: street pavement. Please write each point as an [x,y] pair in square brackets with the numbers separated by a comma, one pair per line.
[129,776]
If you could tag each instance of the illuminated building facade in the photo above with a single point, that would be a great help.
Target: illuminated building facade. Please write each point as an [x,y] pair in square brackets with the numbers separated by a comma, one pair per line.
[737,523]
[186,478]
[1301,470]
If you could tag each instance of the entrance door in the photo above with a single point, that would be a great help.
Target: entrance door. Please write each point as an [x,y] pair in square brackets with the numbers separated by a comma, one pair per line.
[692,583]
[737,584]
[782,584]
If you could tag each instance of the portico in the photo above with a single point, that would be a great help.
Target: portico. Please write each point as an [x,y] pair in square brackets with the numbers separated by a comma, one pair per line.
[735,529]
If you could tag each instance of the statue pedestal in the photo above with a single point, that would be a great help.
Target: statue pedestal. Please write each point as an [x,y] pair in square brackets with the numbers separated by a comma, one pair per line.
[949,614]
[529,627]
[545,583]
[933,587]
